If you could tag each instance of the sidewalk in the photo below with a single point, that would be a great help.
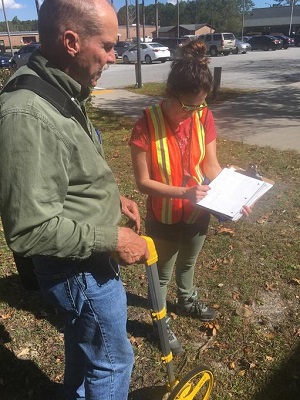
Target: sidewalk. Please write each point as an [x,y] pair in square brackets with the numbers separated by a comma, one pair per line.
[266,118]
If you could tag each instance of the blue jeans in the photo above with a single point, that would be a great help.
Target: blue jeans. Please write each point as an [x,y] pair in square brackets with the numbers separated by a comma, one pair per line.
[98,354]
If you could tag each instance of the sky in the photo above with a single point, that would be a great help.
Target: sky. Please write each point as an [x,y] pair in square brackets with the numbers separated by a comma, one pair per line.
[26,9]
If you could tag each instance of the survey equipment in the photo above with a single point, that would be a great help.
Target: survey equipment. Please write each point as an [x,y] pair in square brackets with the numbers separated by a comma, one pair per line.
[196,384]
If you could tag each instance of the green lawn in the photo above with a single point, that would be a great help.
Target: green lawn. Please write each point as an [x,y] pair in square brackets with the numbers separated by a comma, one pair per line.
[249,271]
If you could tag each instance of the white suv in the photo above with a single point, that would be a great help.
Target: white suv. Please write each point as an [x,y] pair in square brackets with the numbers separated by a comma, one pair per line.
[219,43]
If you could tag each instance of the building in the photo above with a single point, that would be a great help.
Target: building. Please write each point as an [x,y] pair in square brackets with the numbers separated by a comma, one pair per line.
[130,34]
[281,19]
[191,29]
[18,39]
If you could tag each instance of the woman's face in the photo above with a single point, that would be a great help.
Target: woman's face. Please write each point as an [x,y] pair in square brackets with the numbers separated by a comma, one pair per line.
[182,107]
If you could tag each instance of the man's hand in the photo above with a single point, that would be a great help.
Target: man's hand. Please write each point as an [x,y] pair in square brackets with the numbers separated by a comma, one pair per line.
[131,248]
[130,209]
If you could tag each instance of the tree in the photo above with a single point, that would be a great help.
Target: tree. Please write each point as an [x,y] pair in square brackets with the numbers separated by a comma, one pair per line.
[223,15]
[285,2]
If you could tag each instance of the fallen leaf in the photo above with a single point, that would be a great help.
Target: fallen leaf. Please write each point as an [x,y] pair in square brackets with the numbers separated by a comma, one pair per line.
[226,231]
[173,315]
[297,332]
[263,219]
[269,335]
[24,352]
[244,311]
[231,365]
[137,341]
[269,358]
[270,287]
[8,315]
[236,296]
[242,372]
[295,281]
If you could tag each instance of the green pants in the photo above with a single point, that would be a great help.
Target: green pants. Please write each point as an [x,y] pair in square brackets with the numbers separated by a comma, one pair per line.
[177,245]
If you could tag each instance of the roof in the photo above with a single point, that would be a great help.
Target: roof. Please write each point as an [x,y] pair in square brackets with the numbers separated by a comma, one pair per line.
[188,27]
[193,27]
[280,15]
[166,28]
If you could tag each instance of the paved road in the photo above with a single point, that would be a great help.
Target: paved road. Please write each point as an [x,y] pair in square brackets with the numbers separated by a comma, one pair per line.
[270,117]
[256,70]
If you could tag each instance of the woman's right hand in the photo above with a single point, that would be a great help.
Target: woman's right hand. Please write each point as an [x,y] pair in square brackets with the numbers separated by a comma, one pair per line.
[196,193]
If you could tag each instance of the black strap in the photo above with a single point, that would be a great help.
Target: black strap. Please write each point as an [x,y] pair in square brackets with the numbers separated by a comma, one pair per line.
[64,104]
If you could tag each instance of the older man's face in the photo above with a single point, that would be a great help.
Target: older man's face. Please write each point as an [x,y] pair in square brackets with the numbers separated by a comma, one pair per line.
[97,51]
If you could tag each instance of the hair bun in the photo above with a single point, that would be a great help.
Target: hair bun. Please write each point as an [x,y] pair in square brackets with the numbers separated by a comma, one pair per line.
[194,50]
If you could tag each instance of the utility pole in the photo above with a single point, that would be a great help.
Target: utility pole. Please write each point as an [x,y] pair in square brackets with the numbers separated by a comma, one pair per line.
[127,20]
[37,4]
[177,18]
[156,18]
[138,46]
[143,18]
[291,20]
[243,20]
[7,27]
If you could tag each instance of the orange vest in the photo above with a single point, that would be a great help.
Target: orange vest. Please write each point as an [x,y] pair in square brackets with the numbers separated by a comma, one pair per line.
[167,164]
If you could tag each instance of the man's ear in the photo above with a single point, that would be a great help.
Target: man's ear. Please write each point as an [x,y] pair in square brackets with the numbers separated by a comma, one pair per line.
[71,43]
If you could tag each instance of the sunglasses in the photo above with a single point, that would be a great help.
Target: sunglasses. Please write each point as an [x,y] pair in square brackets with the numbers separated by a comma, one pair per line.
[188,108]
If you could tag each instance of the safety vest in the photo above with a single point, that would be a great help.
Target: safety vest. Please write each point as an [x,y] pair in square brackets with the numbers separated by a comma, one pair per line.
[167,164]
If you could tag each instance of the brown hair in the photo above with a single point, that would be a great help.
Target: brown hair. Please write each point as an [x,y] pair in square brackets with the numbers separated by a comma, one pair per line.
[189,71]
[57,16]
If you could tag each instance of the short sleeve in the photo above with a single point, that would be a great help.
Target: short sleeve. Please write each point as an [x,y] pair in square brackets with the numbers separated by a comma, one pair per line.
[140,135]
[210,129]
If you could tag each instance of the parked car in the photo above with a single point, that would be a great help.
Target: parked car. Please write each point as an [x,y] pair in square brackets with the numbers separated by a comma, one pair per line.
[245,38]
[4,62]
[286,41]
[21,57]
[173,43]
[219,43]
[296,38]
[122,46]
[241,47]
[149,52]
[265,42]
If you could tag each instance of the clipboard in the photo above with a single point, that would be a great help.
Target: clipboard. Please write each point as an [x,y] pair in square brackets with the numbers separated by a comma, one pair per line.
[231,190]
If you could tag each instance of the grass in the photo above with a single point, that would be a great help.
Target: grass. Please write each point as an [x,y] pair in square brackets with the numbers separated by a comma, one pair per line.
[249,271]
[224,94]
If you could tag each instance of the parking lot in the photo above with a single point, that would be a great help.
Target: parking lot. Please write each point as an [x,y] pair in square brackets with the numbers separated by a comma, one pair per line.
[254,70]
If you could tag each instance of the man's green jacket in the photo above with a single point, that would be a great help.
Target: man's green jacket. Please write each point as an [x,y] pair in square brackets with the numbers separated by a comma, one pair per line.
[58,197]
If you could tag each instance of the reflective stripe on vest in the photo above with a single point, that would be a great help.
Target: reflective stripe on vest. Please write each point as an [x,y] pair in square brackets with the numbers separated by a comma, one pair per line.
[167,164]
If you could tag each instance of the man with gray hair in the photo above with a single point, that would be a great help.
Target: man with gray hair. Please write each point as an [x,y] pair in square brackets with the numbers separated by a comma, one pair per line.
[59,201]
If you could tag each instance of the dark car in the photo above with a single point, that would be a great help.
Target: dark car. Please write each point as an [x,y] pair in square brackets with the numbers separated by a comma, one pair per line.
[244,38]
[297,39]
[121,46]
[265,42]
[173,43]
[21,57]
[286,41]
[4,62]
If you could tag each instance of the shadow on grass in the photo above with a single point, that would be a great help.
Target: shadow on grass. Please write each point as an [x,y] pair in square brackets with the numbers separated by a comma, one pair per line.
[22,379]
[148,393]
[13,293]
[284,384]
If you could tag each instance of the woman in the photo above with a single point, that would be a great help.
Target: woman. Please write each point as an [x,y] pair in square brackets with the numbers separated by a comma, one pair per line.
[173,148]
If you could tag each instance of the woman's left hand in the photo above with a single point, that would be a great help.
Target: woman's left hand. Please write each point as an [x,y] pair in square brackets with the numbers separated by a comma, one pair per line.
[246,211]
